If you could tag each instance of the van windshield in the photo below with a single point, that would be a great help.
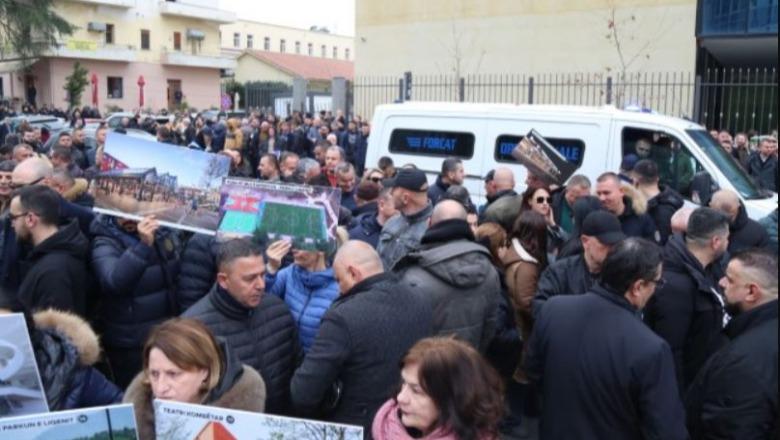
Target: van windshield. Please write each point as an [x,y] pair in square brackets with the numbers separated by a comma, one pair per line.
[743,183]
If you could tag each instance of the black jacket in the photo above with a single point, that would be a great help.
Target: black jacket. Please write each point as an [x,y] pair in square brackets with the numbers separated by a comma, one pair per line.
[362,339]
[567,276]
[637,224]
[661,208]
[602,373]
[137,282]
[55,272]
[687,311]
[735,394]
[765,172]
[437,190]
[198,269]
[263,338]
[367,229]
[746,233]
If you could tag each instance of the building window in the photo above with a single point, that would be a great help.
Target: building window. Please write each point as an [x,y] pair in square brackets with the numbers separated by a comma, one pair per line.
[324,51]
[236,40]
[298,47]
[267,43]
[311,50]
[283,46]
[144,39]
[177,41]
[335,53]
[250,41]
[109,33]
[346,54]
[114,87]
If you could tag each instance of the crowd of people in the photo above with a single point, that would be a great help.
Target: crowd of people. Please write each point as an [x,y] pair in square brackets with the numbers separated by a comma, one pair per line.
[604,308]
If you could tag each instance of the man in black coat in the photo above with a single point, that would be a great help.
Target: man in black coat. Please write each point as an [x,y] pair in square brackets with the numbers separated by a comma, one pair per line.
[745,233]
[735,393]
[688,311]
[361,340]
[620,200]
[198,269]
[55,270]
[452,173]
[602,373]
[662,201]
[575,275]
[257,326]
[368,226]
[762,164]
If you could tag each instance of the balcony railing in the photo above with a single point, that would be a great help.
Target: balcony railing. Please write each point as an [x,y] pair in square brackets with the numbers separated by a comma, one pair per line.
[179,58]
[738,17]
[91,50]
[192,10]
[125,4]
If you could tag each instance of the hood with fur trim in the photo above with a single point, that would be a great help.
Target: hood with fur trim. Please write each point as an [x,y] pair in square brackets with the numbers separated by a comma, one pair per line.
[74,329]
[79,187]
[637,200]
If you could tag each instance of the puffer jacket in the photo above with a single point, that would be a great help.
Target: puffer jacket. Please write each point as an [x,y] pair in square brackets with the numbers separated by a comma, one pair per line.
[307,294]
[635,221]
[263,338]
[66,349]
[240,388]
[137,282]
[661,208]
[746,233]
[458,275]
[198,269]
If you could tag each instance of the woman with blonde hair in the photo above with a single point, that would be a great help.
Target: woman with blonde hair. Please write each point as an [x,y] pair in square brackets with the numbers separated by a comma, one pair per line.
[184,362]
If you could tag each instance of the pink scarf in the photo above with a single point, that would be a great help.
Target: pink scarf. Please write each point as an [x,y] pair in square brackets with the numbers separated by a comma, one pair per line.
[387,426]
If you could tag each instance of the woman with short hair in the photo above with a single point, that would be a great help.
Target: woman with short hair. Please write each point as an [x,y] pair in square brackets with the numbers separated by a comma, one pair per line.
[184,362]
[429,407]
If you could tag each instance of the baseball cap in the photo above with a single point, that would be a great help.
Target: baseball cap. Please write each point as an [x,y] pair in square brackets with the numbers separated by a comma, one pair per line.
[604,226]
[490,176]
[407,178]
[629,162]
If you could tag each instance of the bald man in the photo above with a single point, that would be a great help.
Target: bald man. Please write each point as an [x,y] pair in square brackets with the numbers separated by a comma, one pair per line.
[457,273]
[680,220]
[361,338]
[745,233]
[502,184]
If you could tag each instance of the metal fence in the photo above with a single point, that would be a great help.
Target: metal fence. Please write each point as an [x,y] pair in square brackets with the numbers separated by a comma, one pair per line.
[736,100]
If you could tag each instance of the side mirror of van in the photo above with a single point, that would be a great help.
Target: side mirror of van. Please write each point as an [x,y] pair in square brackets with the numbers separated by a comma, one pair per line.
[702,188]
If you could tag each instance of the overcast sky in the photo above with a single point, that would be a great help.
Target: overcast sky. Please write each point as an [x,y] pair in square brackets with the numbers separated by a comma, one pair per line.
[336,15]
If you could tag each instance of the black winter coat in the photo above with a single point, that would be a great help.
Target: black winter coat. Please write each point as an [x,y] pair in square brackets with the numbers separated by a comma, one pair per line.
[635,224]
[687,312]
[362,339]
[437,190]
[55,272]
[602,373]
[567,276]
[367,229]
[661,208]
[735,394]
[198,269]
[137,282]
[746,233]
[263,338]
[765,172]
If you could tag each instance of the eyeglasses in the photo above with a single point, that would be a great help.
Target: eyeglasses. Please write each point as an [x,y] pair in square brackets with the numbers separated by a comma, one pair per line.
[659,283]
[13,217]
[22,185]
[541,200]
[375,179]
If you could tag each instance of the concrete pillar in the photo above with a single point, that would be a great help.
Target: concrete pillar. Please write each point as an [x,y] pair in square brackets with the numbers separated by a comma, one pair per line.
[339,94]
[299,94]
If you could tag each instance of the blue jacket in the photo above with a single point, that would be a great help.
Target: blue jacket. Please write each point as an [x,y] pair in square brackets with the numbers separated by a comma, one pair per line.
[367,229]
[307,294]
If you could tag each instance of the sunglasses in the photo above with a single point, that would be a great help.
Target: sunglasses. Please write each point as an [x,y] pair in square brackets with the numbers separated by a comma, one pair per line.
[375,179]
[541,200]
[13,217]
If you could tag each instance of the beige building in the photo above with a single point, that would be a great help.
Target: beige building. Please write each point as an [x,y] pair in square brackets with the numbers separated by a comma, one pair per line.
[465,37]
[241,35]
[173,45]
[257,65]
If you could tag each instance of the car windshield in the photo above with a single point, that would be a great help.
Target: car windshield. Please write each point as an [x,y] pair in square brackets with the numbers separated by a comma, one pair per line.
[735,174]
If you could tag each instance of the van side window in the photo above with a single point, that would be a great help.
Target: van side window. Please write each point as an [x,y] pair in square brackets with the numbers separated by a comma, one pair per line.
[572,149]
[432,143]
[676,165]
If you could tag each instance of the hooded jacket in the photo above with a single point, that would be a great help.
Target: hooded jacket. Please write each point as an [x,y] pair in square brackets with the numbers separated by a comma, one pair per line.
[746,233]
[137,282]
[367,229]
[55,272]
[437,190]
[458,275]
[687,311]
[66,349]
[401,234]
[661,208]
[78,194]
[239,388]
[735,394]
[307,294]
[635,221]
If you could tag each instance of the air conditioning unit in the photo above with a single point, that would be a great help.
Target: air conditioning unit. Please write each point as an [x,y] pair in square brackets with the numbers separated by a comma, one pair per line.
[195,34]
[94,26]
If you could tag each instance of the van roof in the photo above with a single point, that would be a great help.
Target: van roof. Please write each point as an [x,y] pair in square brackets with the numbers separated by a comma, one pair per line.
[458,108]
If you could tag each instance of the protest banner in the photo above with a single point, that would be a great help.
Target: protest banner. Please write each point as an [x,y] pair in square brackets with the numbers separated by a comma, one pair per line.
[180,186]
[115,422]
[183,421]
[21,389]
[543,159]
[271,211]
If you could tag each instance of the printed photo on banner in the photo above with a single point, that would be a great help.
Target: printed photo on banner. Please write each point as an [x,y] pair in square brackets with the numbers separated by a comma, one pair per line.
[543,159]
[21,389]
[115,422]
[180,186]
[268,212]
[182,421]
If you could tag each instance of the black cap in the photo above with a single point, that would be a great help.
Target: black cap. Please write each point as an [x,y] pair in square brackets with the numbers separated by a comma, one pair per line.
[490,176]
[407,178]
[604,226]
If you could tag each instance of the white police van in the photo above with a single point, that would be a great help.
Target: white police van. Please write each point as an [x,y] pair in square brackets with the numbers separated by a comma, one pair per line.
[595,139]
